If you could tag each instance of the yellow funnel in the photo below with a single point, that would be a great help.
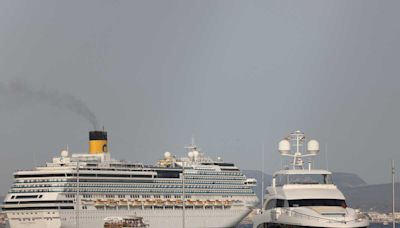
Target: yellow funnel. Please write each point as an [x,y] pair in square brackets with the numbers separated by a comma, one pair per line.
[98,142]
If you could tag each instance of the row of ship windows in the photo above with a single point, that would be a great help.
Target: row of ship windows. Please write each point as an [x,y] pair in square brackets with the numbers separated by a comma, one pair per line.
[198,191]
[230,182]
[232,173]
[176,175]
[86,196]
[189,178]
[83,188]
[33,213]
[26,196]
[132,186]
[211,181]
[216,177]
[103,196]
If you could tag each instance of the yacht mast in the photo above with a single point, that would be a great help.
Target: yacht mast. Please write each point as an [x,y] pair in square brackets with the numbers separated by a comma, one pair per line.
[77,195]
[393,206]
[297,139]
[183,194]
[262,178]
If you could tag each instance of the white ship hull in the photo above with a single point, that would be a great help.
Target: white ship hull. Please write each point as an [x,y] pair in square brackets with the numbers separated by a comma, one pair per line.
[156,218]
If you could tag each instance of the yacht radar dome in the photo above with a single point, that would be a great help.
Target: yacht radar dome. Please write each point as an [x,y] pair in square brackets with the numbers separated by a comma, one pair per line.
[191,155]
[297,141]
[64,153]
[313,146]
[167,155]
[284,146]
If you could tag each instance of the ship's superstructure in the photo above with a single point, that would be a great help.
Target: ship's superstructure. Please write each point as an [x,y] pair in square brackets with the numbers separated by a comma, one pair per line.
[81,190]
[301,196]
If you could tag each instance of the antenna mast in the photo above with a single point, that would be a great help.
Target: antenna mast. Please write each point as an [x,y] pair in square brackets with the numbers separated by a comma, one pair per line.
[183,194]
[77,205]
[297,140]
[262,179]
[393,206]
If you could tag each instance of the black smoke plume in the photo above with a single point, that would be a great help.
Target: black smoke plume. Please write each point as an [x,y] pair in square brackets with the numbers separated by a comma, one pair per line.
[20,92]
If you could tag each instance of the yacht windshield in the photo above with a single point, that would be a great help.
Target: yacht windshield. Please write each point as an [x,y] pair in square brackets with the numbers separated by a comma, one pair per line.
[303,179]
[317,202]
[273,203]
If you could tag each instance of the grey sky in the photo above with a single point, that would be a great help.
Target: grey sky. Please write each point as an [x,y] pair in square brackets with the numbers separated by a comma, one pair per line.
[236,74]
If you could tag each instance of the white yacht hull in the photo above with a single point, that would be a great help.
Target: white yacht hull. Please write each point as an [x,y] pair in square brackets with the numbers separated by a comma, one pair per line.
[156,218]
[270,220]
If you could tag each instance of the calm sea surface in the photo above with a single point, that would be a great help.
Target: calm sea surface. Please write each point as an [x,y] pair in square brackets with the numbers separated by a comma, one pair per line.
[371,225]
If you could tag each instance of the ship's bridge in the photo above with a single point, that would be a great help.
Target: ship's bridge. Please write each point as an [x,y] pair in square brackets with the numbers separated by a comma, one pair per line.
[302,176]
[304,184]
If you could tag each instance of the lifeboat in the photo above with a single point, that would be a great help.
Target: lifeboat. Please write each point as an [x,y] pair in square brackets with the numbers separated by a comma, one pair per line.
[100,202]
[111,203]
[190,202]
[136,202]
[159,202]
[123,202]
[210,202]
[218,203]
[199,203]
[149,202]
[170,202]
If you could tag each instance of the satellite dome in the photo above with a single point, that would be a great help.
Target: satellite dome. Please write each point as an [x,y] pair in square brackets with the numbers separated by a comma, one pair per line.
[196,153]
[190,155]
[284,146]
[167,155]
[313,146]
[64,153]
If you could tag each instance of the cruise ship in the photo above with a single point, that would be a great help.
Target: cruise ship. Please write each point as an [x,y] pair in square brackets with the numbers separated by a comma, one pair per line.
[81,190]
[301,196]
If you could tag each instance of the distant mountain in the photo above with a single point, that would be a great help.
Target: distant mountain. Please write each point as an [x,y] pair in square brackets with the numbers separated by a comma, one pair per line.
[347,180]
[258,176]
[373,197]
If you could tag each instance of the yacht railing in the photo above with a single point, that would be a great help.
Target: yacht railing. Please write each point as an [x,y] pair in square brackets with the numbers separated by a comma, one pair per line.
[292,213]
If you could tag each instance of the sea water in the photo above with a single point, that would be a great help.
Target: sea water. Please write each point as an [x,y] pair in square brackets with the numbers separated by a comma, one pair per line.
[372,225]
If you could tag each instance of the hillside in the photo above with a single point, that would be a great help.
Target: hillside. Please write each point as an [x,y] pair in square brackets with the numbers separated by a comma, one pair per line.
[347,180]
[258,175]
[373,197]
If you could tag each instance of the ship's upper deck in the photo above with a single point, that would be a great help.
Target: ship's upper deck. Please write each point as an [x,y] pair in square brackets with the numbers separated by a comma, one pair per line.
[303,172]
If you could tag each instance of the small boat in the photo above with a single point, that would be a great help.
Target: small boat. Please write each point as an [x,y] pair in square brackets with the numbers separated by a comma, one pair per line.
[125,222]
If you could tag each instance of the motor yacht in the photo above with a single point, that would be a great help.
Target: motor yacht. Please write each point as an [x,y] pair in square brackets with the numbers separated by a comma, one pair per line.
[301,196]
